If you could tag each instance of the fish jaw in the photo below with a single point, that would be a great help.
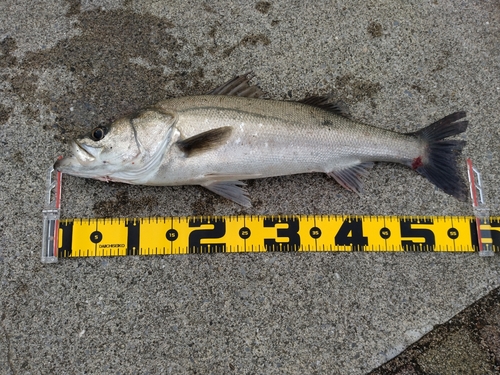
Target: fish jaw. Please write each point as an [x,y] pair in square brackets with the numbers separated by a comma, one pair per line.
[78,164]
[84,153]
[79,157]
[84,162]
[71,165]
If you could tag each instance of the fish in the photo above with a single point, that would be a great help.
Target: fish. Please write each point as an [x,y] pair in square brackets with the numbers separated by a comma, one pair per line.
[234,133]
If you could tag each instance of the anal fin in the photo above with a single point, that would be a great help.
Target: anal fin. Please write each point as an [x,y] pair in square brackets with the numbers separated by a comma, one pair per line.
[232,190]
[350,177]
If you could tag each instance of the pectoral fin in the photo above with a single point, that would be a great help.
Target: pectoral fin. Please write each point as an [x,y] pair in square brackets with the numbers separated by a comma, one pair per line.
[232,190]
[205,141]
[350,177]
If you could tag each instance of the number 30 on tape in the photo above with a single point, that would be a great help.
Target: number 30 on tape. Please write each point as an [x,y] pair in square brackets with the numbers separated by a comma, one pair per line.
[230,234]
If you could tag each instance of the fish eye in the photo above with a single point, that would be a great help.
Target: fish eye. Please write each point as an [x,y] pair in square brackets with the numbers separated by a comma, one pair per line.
[98,133]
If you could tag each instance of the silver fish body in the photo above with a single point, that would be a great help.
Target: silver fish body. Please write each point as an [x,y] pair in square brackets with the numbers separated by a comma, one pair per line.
[217,140]
[273,138]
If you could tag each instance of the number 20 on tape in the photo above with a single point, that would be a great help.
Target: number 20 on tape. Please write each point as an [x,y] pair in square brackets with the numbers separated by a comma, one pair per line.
[229,234]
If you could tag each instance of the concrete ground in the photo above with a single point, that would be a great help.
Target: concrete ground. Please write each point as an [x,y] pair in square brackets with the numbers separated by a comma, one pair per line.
[68,66]
[469,343]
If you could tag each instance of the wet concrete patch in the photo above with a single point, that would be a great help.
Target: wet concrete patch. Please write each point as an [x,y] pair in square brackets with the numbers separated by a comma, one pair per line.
[74,7]
[263,7]
[4,113]
[110,73]
[120,205]
[354,89]
[375,29]
[249,40]
[7,46]
[204,205]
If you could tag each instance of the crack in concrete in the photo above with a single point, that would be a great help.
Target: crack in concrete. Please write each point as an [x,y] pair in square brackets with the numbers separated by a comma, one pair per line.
[7,338]
[2,324]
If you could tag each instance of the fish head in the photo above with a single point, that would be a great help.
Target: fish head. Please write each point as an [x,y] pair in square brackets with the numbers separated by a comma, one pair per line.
[102,152]
[124,151]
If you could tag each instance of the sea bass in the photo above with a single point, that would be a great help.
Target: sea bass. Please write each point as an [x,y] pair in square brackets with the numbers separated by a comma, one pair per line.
[232,134]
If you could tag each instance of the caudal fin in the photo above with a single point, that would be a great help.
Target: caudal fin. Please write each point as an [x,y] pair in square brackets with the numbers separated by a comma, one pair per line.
[439,165]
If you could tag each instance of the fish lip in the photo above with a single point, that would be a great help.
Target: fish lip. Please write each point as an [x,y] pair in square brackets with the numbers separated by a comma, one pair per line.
[66,164]
[82,152]
[82,156]
[60,164]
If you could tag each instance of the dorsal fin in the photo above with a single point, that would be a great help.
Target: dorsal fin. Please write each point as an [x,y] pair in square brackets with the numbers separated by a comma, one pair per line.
[323,102]
[239,86]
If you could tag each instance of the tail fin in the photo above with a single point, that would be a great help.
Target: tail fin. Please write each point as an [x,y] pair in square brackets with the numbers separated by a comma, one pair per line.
[439,165]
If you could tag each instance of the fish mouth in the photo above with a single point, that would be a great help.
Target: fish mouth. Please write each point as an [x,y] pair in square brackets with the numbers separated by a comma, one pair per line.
[82,152]
[60,163]
[82,155]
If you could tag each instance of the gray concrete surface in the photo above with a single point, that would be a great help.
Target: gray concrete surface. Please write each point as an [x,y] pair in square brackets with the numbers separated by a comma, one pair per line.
[68,66]
[469,343]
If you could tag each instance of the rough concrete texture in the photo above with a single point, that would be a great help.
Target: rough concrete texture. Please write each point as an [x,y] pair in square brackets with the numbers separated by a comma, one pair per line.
[67,66]
[469,343]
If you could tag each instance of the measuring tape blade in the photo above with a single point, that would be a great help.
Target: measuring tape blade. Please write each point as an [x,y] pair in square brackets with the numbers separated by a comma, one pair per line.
[248,234]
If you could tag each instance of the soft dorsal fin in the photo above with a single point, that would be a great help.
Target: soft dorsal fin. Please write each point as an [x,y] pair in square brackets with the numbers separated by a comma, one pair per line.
[239,86]
[205,141]
[323,102]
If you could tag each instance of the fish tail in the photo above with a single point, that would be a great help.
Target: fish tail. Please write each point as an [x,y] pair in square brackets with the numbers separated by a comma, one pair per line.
[440,163]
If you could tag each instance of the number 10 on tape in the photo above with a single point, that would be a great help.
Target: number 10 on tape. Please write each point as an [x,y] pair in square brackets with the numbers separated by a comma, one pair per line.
[229,234]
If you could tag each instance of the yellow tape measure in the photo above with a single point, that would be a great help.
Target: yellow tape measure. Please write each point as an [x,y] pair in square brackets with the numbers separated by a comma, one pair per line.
[236,234]
[70,238]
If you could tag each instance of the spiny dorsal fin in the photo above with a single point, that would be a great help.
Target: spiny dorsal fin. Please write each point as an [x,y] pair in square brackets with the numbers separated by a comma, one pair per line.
[339,108]
[239,86]
[205,141]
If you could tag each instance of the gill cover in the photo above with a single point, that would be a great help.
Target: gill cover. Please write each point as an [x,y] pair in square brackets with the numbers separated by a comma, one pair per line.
[153,129]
